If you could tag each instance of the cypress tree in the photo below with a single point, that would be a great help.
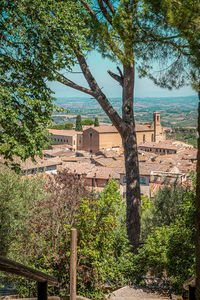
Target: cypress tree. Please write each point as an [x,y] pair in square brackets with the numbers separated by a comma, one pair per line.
[96,122]
[78,123]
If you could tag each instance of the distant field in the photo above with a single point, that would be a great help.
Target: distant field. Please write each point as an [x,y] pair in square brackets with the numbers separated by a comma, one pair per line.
[175,111]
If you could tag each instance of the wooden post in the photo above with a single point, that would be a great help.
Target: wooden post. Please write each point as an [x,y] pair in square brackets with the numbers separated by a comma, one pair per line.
[42,290]
[73,259]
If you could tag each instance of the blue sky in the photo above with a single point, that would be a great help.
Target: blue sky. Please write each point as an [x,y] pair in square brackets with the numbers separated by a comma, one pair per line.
[99,67]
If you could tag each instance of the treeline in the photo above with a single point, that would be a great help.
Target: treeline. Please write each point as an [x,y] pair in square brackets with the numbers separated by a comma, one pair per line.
[78,125]
[186,135]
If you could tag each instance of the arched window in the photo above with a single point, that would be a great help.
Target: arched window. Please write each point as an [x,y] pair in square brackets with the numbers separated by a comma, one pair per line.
[143,138]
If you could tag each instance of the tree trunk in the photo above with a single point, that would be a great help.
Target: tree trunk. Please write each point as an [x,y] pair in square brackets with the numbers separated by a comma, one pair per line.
[126,128]
[131,160]
[197,214]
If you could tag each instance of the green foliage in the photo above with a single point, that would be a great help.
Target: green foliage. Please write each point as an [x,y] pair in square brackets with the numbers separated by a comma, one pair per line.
[183,16]
[87,122]
[78,123]
[103,251]
[186,135]
[162,210]
[67,126]
[34,46]
[147,214]
[167,204]
[96,122]
[169,250]
[14,196]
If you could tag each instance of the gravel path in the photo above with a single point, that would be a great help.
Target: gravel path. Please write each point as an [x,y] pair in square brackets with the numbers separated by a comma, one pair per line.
[132,293]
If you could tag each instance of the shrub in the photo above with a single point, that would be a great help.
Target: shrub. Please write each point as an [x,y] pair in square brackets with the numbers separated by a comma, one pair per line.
[103,252]
[87,122]
[169,250]
[14,196]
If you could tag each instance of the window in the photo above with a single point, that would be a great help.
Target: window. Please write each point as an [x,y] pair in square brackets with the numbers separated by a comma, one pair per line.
[67,141]
[157,118]
[143,138]
[90,134]
[152,138]
[61,140]
[142,180]
[124,179]
[74,142]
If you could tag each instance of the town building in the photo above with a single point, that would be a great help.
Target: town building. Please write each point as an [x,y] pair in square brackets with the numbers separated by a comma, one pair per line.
[100,138]
[68,137]
[163,148]
[106,137]
[153,176]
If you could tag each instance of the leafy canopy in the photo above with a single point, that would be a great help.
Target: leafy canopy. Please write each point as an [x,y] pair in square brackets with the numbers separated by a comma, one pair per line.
[36,39]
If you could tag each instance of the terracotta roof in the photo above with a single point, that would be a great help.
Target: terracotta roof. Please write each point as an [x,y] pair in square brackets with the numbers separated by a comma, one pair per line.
[92,171]
[63,132]
[112,129]
[78,167]
[104,129]
[160,145]
[28,164]
[147,168]
[139,127]
[104,173]
[59,153]
[168,144]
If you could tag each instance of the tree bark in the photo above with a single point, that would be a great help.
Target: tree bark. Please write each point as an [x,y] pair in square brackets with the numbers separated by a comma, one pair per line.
[197,213]
[131,160]
[126,128]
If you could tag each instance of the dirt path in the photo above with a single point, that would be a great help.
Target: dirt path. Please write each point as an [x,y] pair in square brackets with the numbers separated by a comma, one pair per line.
[132,293]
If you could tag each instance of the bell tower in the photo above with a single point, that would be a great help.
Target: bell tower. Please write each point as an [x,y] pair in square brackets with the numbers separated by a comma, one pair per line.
[158,130]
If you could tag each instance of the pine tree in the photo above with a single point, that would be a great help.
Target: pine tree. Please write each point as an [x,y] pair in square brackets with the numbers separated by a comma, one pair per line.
[96,122]
[78,123]
[124,32]
[184,17]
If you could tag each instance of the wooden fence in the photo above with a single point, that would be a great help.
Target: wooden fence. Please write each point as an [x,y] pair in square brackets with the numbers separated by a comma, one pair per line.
[41,278]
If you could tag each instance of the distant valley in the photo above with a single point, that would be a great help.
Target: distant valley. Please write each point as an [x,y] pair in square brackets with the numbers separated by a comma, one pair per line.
[175,111]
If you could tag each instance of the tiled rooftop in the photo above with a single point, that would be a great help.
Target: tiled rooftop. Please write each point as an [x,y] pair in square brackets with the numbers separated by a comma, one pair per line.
[64,132]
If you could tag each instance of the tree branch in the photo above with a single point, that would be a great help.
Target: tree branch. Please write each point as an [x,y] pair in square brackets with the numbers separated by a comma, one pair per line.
[104,33]
[99,95]
[89,9]
[120,72]
[105,12]
[110,6]
[62,79]
[117,78]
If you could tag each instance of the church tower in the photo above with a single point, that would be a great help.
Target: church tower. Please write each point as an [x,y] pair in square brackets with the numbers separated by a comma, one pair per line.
[159,134]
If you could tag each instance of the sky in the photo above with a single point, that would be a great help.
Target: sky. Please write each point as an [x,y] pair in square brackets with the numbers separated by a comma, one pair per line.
[99,66]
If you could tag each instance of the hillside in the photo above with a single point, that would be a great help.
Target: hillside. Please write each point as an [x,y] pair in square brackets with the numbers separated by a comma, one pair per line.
[175,111]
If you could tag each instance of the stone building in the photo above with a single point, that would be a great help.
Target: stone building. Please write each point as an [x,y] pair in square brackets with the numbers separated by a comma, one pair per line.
[107,137]
[68,137]
[101,138]
[95,139]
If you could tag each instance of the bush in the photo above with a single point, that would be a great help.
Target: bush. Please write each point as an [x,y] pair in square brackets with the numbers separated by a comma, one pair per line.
[103,252]
[169,250]
[14,196]
[66,126]
[87,122]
